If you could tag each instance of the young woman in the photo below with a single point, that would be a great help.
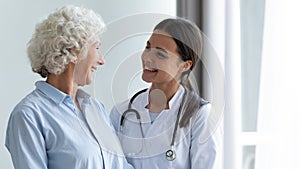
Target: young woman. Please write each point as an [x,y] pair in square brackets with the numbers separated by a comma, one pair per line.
[166,125]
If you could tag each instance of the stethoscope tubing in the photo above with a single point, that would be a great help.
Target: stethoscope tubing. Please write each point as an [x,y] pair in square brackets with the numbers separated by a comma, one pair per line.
[138,117]
[170,154]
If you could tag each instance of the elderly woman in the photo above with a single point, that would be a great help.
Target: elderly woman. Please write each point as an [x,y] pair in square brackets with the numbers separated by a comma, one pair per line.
[49,127]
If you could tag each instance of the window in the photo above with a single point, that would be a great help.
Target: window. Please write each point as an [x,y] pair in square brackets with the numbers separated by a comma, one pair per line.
[252,22]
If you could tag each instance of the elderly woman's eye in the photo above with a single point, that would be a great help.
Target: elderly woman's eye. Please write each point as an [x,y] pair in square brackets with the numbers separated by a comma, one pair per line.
[98,46]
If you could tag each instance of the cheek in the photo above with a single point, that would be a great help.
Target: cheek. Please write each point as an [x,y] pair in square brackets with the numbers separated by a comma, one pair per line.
[81,69]
[145,57]
[169,68]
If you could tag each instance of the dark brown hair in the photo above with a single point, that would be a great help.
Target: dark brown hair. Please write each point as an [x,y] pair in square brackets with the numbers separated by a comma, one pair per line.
[188,39]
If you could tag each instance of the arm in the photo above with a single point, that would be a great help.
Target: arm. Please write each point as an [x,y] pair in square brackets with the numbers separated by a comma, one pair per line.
[206,147]
[25,141]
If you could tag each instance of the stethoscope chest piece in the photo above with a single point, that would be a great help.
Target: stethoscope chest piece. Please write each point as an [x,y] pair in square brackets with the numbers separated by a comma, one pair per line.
[170,155]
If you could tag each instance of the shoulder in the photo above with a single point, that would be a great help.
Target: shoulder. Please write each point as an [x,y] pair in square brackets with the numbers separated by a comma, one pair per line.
[29,105]
[195,108]
[26,114]
[203,111]
[201,115]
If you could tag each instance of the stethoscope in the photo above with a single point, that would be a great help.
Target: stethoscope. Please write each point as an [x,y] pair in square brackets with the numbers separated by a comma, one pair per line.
[170,154]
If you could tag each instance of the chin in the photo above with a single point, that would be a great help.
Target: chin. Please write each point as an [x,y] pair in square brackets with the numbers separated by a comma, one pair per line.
[146,80]
[88,82]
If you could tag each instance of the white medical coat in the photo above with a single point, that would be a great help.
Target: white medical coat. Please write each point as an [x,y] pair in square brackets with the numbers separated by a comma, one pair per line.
[197,146]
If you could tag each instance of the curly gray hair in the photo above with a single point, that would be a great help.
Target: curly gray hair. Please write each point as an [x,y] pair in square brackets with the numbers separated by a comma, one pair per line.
[56,39]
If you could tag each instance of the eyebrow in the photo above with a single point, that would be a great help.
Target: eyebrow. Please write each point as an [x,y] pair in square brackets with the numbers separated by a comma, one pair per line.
[159,48]
[96,43]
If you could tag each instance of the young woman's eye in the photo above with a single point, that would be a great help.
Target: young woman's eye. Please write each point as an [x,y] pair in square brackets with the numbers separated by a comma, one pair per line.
[161,55]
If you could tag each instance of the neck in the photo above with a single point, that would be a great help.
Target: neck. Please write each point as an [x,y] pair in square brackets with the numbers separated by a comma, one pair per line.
[64,82]
[168,89]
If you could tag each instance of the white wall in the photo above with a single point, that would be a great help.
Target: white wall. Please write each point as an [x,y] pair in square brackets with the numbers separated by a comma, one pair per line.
[18,19]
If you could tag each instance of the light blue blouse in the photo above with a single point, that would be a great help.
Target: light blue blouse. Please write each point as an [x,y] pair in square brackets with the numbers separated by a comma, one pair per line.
[47,131]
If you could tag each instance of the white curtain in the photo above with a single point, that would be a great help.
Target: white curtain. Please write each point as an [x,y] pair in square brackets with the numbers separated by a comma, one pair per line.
[279,113]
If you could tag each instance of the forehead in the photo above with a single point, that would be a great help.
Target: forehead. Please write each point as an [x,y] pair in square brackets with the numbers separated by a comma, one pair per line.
[161,39]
